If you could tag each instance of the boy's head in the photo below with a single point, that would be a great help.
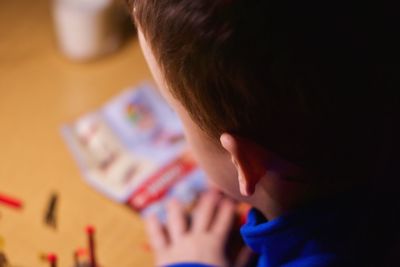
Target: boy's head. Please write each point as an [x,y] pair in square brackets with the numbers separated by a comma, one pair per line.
[264,86]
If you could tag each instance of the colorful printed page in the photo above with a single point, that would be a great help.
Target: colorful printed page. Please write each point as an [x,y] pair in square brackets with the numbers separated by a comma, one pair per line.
[133,151]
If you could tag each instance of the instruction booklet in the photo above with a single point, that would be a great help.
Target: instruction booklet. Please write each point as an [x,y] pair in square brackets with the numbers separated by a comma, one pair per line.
[133,151]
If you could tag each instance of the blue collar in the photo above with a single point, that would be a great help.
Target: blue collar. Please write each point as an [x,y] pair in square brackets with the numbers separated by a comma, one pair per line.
[316,231]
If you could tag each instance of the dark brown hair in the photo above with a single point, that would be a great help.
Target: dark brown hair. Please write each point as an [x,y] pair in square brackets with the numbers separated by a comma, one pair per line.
[308,85]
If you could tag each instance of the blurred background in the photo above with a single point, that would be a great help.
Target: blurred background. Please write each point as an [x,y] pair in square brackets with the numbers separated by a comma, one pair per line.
[58,60]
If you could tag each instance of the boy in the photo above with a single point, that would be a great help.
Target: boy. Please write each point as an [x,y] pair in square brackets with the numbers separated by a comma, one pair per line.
[284,110]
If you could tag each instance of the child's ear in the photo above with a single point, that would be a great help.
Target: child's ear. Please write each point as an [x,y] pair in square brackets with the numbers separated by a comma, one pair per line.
[248,159]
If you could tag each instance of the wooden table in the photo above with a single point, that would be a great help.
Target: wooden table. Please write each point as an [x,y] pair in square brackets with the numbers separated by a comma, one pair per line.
[39,90]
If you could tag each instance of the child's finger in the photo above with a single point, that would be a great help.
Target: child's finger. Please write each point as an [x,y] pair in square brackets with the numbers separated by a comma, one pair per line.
[224,218]
[157,237]
[245,257]
[176,223]
[204,211]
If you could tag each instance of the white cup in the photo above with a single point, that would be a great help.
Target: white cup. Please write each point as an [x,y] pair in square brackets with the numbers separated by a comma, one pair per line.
[87,29]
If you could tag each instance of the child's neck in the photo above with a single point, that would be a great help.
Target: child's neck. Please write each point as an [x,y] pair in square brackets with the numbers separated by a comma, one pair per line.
[276,196]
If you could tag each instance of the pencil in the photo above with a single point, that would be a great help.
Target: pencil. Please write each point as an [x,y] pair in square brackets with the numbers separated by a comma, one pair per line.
[10,201]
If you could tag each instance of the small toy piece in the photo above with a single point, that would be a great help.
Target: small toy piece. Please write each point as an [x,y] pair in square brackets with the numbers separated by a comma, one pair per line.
[3,260]
[10,201]
[50,216]
[92,255]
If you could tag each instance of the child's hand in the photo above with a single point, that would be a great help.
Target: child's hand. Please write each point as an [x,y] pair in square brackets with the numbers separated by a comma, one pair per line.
[203,243]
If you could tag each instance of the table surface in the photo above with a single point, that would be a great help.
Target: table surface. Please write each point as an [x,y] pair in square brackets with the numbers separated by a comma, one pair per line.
[39,90]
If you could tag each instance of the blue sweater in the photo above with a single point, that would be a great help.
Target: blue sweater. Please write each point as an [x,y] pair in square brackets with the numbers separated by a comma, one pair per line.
[347,230]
